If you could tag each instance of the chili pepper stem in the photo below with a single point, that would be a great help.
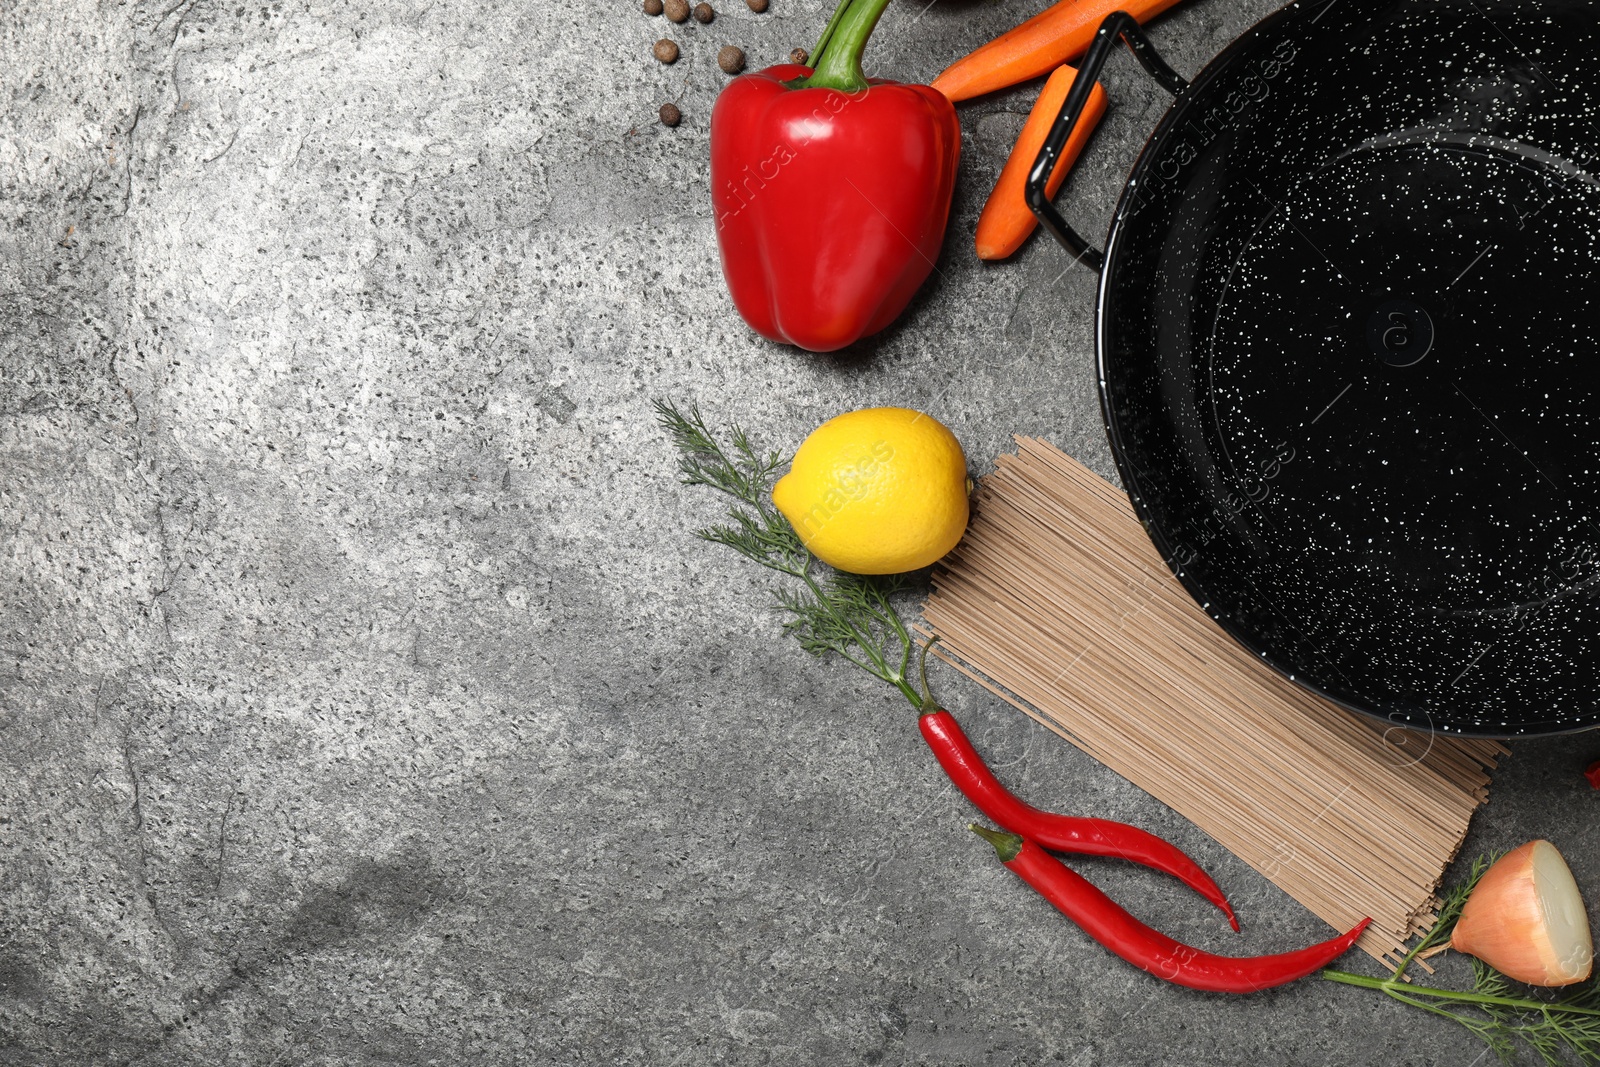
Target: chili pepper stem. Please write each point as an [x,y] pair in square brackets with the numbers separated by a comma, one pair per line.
[1407,989]
[838,66]
[928,704]
[1006,846]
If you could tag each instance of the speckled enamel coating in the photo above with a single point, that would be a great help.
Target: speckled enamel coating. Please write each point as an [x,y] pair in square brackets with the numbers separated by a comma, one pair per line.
[1347,340]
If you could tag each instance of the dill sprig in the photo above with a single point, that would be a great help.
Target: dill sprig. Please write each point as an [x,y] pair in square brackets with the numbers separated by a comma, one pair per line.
[850,615]
[1494,1010]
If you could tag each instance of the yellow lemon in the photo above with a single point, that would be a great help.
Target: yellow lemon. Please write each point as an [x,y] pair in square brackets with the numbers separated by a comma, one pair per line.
[877,491]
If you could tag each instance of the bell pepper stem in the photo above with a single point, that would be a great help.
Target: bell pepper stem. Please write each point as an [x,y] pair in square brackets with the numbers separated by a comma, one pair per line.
[838,64]
[827,33]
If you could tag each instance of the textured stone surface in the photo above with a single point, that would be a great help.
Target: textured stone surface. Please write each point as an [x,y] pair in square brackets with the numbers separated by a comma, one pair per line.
[363,698]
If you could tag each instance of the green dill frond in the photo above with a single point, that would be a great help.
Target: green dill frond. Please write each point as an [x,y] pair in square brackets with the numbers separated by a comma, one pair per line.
[818,628]
[848,615]
[763,536]
[1450,905]
[1488,981]
[851,615]
[1504,1016]
[702,461]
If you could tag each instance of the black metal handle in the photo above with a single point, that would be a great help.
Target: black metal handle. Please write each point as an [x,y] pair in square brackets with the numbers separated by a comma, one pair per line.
[1117,24]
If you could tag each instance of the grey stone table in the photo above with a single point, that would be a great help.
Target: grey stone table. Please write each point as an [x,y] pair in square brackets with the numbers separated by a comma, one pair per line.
[363,697]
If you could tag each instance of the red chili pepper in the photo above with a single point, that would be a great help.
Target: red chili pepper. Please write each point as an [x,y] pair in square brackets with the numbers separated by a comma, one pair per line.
[831,191]
[1150,950]
[1593,774]
[1064,833]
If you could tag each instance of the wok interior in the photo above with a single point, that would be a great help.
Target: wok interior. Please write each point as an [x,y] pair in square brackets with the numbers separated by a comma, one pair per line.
[1347,340]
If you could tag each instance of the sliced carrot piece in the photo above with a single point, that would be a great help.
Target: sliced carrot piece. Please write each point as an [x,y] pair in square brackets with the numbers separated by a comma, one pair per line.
[1006,221]
[1037,46]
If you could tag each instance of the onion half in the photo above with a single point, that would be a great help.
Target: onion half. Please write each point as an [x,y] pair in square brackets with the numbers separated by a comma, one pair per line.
[1526,919]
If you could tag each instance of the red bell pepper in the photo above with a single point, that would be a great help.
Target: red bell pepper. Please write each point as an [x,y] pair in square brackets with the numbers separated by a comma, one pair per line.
[831,190]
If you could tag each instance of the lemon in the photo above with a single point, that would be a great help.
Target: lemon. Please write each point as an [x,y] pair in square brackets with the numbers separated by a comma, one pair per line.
[877,491]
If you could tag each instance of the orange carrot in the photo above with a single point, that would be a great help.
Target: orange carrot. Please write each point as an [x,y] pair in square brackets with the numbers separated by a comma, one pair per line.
[1006,220]
[1037,46]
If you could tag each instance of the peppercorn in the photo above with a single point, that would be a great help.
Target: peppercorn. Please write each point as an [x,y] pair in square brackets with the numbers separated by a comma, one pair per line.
[670,115]
[730,59]
[652,7]
[799,55]
[666,51]
[677,10]
[758,6]
[703,13]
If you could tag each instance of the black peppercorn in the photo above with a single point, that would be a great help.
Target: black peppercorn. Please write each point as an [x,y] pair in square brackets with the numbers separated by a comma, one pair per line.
[730,59]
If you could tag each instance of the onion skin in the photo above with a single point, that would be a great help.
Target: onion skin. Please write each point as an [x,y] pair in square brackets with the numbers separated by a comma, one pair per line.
[1504,922]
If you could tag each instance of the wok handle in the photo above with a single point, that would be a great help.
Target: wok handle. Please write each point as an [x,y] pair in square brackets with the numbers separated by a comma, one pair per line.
[1117,24]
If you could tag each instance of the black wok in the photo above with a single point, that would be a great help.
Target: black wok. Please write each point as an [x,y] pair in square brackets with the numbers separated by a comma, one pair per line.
[1346,332]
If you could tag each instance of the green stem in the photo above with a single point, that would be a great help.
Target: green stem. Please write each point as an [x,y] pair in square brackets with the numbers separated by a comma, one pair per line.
[901,683]
[1006,846]
[1402,990]
[827,33]
[838,64]
[908,692]
[1478,1027]
[1423,944]
[868,647]
[927,706]
[881,669]
[906,646]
